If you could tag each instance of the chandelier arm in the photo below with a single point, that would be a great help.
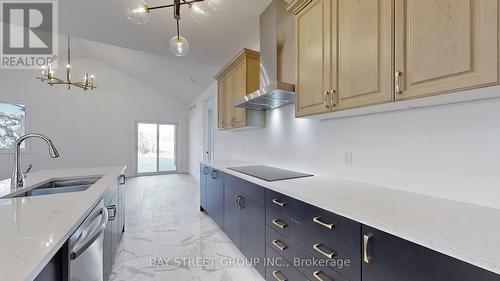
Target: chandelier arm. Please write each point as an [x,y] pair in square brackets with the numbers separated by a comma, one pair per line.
[184,2]
[160,7]
[59,82]
[78,84]
[52,80]
[56,80]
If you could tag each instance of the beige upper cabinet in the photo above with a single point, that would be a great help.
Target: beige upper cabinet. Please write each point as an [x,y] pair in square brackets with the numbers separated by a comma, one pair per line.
[344,54]
[237,79]
[354,53]
[364,44]
[313,56]
[445,45]
[229,101]
[240,79]
[221,102]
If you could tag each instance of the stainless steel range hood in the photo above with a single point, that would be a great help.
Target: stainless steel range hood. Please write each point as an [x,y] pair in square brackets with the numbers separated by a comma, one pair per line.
[276,61]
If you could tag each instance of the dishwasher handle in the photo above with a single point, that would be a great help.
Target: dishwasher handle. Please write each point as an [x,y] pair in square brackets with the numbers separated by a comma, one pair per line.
[81,247]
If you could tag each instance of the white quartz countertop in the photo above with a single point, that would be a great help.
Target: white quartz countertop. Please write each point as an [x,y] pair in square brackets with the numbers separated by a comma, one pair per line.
[34,228]
[467,232]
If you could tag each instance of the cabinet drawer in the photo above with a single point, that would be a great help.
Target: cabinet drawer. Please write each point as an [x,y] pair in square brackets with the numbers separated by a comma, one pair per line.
[283,204]
[322,225]
[317,224]
[284,224]
[334,269]
[278,269]
[283,246]
[250,189]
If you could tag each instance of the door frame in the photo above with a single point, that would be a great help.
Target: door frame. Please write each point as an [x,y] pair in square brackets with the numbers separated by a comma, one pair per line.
[176,147]
[208,131]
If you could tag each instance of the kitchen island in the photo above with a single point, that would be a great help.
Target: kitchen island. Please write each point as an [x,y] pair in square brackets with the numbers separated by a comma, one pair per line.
[35,228]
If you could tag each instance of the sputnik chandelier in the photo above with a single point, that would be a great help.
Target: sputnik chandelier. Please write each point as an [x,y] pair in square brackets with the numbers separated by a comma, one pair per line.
[138,12]
[47,74]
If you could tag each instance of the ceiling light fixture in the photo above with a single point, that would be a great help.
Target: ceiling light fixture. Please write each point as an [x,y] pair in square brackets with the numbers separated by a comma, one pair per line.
[138,12]
[47,74]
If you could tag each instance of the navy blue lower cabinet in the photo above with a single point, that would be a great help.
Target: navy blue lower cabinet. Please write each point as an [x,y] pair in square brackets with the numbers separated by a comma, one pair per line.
[215,196]
[279,269]
[204,174]
[390,258]
[232,215]
[244,222]
[56,269]
[253,231]
[321,234]
[311,267]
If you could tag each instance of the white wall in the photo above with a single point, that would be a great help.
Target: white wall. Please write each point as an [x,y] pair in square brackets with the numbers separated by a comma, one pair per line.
[90,128]
[450,151]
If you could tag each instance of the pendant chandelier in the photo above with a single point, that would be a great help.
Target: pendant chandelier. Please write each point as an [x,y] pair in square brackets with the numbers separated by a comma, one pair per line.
[139,12]
[47,74]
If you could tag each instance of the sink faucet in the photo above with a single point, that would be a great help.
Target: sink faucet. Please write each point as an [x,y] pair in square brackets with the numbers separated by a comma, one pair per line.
[17,179]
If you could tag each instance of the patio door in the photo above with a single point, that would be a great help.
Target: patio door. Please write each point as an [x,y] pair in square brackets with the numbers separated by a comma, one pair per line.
[156,147]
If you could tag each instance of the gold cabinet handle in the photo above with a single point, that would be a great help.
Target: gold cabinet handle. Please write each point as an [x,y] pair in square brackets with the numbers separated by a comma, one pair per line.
[279,203]
[366,242]
[233,121]
[278,244]
[397,87]
[317,277]
[325,102]
[279,224]
[332,97]
[324,224]
[279,278]
[328,255]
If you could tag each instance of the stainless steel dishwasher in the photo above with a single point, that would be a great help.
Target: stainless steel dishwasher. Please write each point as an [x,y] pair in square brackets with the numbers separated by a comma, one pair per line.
[86,247]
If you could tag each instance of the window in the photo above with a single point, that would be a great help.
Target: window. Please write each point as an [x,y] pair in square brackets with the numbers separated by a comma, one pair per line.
[156,147]
[12,125]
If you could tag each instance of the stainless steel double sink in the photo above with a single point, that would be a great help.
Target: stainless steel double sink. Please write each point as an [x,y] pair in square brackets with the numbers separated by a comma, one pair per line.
[58,186]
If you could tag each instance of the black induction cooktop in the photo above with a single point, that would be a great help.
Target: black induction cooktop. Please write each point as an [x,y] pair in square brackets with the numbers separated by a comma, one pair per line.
[269,173]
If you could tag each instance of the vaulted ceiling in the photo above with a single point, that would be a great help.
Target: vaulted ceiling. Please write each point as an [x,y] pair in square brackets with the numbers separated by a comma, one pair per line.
[179,78]
[212,42]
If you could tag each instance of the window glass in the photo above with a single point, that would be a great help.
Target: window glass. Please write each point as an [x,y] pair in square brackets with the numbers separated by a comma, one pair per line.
[12,124]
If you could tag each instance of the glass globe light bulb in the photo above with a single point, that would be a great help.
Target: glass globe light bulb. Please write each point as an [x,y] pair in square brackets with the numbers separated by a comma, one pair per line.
[137,11]
[218,5]
[199,11]
[179,46]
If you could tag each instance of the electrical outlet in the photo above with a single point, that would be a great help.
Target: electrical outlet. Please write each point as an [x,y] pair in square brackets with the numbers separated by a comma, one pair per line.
[348,158]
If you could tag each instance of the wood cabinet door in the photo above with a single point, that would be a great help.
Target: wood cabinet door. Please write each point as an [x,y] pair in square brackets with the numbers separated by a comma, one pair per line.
[445,45]
[314,57]
[229,100]
[364,43]
[221,101]
[240,90]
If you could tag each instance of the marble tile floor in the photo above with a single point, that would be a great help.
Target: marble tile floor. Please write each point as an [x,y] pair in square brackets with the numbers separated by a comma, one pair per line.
[168,238]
